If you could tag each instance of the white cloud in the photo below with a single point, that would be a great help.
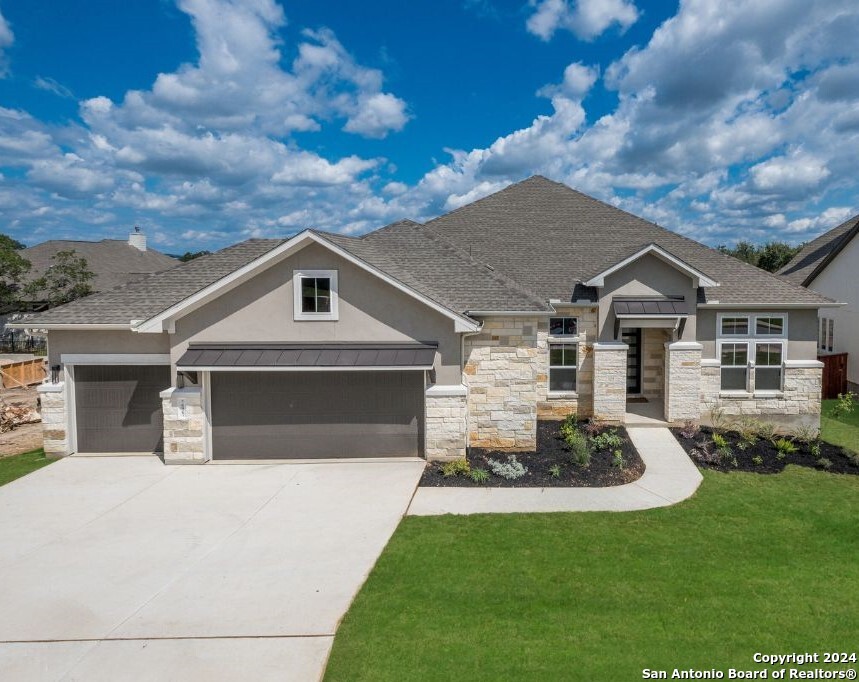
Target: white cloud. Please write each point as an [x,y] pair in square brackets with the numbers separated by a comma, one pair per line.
[586,19]
[795,173]
[377,115]
[6,40]
[577,82]
[50,85]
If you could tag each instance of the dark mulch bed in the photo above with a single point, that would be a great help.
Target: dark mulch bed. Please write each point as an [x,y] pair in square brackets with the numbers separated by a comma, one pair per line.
[701,450]
[550,451]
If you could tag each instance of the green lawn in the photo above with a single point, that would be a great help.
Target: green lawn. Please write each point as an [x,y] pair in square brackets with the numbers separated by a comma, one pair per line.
[751,563]
[843,431]
[21,465]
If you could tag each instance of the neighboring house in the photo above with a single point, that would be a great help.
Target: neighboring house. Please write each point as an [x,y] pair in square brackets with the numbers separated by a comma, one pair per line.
[829,265]
[532,303]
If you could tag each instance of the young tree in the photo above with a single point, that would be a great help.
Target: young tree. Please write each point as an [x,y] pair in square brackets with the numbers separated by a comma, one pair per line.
[13,268]
[66,279]
[771,256]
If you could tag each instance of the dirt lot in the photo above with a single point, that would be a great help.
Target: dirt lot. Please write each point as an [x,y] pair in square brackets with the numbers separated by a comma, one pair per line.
[24,438]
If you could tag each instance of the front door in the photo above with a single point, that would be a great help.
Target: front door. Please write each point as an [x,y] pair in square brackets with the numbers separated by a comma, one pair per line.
[632,338]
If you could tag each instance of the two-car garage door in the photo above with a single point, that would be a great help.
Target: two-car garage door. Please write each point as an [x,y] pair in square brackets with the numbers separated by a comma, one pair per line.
[316,414]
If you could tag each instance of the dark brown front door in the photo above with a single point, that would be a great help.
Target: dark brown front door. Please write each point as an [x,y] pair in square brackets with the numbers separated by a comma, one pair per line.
[632,338]
[118,409]
[312,415]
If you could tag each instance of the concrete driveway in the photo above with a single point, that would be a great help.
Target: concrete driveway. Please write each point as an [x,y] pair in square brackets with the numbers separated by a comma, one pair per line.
[122,568]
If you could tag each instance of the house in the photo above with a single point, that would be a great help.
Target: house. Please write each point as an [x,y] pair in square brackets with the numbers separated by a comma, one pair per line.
[828,265]
[424,339]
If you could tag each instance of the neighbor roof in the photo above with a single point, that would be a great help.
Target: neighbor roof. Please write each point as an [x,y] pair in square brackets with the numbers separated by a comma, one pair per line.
[513,251]
[113,261]
[818,253]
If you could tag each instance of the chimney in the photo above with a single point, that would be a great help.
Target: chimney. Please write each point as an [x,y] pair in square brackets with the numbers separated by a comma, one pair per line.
[137,239]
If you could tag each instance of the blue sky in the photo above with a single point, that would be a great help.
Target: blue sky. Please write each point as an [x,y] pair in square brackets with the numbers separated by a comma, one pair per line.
[209,121]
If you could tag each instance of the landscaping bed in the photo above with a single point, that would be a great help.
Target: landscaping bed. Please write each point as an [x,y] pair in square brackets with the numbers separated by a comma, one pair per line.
[751,446]
[553,464]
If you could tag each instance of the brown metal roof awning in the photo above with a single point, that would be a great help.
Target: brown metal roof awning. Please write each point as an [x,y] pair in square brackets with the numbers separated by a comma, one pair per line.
[638,307]
[307,356]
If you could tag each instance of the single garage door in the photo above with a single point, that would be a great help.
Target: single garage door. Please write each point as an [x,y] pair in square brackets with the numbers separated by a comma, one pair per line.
[118,409]
[298,415]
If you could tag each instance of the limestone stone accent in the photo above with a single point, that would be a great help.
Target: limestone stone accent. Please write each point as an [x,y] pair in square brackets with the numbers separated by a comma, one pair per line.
[610,380]
[797,404]
[446,422]
[183,425]
[682,381]
[653,363]
[54,419]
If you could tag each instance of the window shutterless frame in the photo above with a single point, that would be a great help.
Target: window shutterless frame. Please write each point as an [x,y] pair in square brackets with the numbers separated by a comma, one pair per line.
[563,326]
[734,366]
[315,295]
[769,364]
[563,368]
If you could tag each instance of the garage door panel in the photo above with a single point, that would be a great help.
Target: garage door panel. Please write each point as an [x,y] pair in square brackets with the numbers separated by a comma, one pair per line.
[264,415]
[118,409]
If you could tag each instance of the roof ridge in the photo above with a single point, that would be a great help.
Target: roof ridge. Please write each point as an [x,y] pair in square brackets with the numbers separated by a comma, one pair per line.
[490,196]
[388,227]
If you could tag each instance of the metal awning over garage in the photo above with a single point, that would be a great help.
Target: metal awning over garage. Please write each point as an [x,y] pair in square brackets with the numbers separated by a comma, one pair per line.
[307,356]
[648,312]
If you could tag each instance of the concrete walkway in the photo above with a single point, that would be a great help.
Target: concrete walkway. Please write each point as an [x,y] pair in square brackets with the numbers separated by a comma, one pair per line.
[121,568]
[670,477]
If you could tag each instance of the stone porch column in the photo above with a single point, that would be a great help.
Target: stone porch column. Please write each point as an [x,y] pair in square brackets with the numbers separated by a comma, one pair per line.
[55,430]
[446,422]
[683,381]
[183,425]
[610,380]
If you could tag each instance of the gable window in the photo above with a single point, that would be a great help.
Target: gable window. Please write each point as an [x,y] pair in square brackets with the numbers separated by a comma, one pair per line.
[562,367]
[315,294]
[735,326]
[768,364]
[735,366]
[563,326]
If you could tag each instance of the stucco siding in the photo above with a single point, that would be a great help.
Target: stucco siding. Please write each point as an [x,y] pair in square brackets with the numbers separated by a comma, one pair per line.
[97,342]
[370,310]
[647,276]
[801,330]
[840,282]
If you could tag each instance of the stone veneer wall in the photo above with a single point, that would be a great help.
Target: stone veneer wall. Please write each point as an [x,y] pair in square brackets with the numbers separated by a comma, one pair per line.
[610,381]
[653,363]
[682,381]
[54,419]
[446,423]
[798,404]
[183,433]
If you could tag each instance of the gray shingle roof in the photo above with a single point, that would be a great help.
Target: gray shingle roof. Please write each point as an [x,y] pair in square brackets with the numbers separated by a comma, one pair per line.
[818,253]
[547,237]
[512,251]
[114,261]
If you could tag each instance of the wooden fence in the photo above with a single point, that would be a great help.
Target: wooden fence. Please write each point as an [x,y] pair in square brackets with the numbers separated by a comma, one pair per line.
[20,373]
[834,374]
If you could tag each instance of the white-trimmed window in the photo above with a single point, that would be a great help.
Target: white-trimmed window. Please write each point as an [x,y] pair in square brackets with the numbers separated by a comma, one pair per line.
[563,363]
[315,294]
[734,358]
[563,326]
[826,338]
[734,325]
[769,360]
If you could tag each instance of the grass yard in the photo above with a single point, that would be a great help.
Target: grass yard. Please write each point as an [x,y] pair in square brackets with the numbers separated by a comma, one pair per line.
[751,563]
[20,465]
[843,431]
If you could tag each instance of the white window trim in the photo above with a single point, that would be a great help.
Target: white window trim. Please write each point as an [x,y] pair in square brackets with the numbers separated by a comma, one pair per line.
[783,334]
[301,316]
[721,316]
[749,364]
[562,341]
[752,319]
[753,363]
[565,337]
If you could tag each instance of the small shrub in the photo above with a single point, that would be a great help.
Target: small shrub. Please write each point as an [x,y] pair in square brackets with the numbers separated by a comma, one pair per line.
[617,460]
[690,429]
[568,426]
[742,446]
[580,448]
[748,429]
[511,469]
[719,441]
[593,427]
[455,467]
[844,405]
[757,460]
[780,456]
[607,440]
[479,476]
[824,463]
[718,418]
[727,456]
[805,433]
[555,471]
[785,446]
[766,431]
[704,455]
[814,449]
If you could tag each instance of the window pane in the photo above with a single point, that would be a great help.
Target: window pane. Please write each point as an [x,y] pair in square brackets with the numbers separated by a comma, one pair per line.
[770,326]
[323,295]
[571,326]
[734,378]
[821,336]
[768,379]
[768,354]
[735,326]
[830,341]
[556,326]
[562,379]
[570,355]
[735,354]
[556,355]
[308,295]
